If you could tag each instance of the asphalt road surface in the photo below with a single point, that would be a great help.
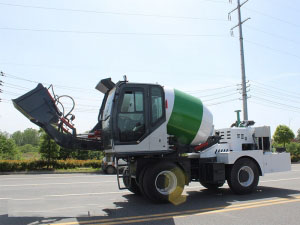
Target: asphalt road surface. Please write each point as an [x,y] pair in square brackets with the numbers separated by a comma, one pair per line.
[95,199]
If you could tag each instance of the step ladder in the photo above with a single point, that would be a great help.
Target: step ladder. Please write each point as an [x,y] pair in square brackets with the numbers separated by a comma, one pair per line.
[125,174]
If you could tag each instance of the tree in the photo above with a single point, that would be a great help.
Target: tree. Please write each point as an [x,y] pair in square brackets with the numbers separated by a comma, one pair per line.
[48,149]
[298,135]
[283,134]
[18,138]
[65,153]
[5,134]
[8,149]
[29,136]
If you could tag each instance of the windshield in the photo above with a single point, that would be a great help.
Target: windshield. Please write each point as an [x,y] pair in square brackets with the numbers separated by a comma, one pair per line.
[107,109]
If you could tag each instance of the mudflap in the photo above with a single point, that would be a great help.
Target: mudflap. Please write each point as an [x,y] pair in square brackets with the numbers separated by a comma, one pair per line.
[39,107]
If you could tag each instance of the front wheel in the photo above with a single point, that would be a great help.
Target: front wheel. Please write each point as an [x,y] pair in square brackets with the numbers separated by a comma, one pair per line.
[244,176]
[163,182]
[130,183]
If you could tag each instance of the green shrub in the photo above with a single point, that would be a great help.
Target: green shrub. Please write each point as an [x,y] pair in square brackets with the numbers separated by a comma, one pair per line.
[295,158]
[31,165]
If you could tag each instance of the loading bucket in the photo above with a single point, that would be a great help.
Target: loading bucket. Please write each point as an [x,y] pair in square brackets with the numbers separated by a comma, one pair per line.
[39,107]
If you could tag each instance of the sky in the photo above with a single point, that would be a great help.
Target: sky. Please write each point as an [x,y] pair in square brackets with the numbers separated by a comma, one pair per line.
[73,44]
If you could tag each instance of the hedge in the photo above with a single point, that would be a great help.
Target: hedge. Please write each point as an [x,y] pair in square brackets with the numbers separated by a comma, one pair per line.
[295,158]
[23,165]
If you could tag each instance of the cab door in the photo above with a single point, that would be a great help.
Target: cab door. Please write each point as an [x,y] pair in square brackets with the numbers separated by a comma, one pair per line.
[131,126]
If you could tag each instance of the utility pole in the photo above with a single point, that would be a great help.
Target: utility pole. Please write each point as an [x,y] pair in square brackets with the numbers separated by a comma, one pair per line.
[244,86]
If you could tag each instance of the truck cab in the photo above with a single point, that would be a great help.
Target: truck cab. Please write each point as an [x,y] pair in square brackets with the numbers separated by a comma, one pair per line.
[130,116]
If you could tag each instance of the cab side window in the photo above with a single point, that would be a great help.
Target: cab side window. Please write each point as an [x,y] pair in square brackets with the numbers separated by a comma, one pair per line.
[156,104]
[131,119]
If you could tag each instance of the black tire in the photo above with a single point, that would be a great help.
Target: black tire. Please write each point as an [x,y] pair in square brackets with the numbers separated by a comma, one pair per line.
[132,185]
[244,176]
[141,180]
[163,182]
[211,186]
[110,170]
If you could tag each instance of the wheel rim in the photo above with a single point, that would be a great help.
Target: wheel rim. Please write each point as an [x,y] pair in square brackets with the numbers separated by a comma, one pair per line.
[245,176]
[166,182]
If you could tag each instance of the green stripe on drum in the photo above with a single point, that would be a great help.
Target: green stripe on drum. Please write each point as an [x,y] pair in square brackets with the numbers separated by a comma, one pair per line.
[186,117]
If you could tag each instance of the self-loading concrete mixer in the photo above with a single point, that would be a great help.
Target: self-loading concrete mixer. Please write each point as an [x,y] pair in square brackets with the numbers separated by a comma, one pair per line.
[166,138]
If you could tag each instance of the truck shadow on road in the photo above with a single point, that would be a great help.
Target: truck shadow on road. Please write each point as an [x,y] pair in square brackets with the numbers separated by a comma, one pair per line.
[133,209]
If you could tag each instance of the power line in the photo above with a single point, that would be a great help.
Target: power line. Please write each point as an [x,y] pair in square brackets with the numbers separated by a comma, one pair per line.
[11,93]
[273,35]
[78,106]
[224,96]
[36,82]
[278,93]
[273,17]
[273,49]
[276,88]
[110,33]
[78,88]
[211,89]
[287,5]
[218,103]
[273,106]
[277,96]
[16,87]
[234,91]
[111,13]
[277,103]
[214,1]
[215,94]
[14,94]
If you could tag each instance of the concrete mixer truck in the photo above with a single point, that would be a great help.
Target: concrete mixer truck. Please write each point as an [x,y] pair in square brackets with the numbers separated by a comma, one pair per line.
[165,136]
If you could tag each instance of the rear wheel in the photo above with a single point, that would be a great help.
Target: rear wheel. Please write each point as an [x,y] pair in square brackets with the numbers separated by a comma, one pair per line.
[244,176]
[164,182]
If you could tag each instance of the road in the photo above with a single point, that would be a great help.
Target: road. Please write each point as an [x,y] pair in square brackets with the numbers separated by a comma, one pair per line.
[95,199]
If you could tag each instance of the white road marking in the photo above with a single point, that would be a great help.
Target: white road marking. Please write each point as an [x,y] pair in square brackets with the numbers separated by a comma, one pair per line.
[45,184]
[25,199]
[39,176]
[66,195]
[295,178]
[264,181]
[86,194]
